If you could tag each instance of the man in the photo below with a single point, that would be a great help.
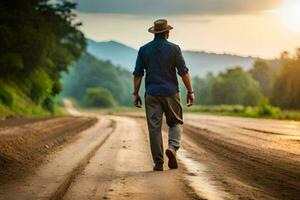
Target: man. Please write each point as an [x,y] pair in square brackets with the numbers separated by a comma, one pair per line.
[160,59]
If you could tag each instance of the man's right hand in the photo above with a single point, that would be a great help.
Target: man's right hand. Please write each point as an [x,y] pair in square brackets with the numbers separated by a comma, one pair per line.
[190,98]
[137,101]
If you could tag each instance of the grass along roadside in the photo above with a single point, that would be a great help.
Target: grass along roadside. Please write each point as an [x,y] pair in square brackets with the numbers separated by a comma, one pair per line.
[14,102]
[264,111]
[260,111]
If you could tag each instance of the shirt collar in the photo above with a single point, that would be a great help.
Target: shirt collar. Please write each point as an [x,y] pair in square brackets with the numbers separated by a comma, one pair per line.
[160,39]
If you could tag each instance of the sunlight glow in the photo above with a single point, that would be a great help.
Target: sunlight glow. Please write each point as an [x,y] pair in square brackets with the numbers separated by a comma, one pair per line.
[290,14]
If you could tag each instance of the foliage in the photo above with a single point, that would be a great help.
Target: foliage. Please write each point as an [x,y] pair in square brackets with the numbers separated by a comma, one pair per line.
[276,80]
[203,89]
[21,104]
[235,87]
[90,72]
[286,89]
[231,87]
[40,86]
[39,39]
[217,108]
[5,96]
[265,75]
[99,97]
[49,104]
[264,108]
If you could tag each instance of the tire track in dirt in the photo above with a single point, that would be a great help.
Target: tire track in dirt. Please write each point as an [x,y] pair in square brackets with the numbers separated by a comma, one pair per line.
[241,163]
[248,173]
[23,148]
[122,169]
[63,188]
[52,177]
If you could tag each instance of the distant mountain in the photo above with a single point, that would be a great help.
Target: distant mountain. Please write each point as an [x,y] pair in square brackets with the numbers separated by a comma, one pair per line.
[199,63]
[117,53]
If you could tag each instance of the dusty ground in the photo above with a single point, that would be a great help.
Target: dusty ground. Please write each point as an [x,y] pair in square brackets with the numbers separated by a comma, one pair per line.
[247,164]
[122,169]
[25,141]
[220,158]
[243,158]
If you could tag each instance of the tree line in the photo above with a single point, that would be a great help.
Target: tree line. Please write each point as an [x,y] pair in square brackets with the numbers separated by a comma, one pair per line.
[276,81]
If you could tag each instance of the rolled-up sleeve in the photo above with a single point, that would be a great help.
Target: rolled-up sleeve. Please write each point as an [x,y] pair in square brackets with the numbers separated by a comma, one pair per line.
[180,63]
[139,65]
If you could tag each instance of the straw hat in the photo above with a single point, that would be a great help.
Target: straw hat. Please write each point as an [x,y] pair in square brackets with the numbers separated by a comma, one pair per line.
[160,26]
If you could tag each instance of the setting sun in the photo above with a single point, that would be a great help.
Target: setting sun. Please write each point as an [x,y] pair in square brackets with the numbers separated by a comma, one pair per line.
[290,14]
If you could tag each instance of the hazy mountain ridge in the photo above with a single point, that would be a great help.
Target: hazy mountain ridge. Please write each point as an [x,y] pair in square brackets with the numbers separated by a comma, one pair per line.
[199,62]
[117,53]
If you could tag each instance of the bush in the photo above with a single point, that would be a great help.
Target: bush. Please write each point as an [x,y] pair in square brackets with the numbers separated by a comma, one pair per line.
[5,96]
[49,104]
[218,108]
[40,86]
[264,108]
[99,97]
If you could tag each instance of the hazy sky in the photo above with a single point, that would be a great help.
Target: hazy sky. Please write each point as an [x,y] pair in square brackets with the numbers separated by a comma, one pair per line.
[247,27]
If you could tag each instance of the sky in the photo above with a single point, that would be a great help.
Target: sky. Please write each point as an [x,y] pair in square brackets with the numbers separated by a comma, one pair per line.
[261,28]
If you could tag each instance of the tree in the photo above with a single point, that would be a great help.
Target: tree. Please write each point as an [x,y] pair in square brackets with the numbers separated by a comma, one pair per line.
[285,55]
[298,53]
[38,39]
[203,87]
[90,72]
[286,90]
[264,74]
[99,97]
[235,86]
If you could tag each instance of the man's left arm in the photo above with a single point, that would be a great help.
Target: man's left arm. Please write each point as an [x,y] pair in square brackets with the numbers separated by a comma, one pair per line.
[183,71]
[188,84]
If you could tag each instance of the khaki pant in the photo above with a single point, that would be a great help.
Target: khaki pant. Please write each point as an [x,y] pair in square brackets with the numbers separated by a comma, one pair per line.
[156,106]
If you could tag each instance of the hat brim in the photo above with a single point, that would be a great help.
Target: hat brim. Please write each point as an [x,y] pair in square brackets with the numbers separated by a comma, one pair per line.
[152,30]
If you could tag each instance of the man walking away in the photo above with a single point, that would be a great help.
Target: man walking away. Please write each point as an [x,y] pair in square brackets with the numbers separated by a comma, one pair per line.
[160,59]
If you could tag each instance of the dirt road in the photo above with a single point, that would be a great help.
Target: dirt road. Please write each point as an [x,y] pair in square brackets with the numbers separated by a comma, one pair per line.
[248,158]
[220,158]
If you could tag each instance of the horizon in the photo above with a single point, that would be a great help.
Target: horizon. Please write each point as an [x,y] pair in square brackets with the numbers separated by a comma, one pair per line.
[261,29]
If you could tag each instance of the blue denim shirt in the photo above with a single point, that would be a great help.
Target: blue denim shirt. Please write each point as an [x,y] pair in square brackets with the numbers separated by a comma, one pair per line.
[160,59]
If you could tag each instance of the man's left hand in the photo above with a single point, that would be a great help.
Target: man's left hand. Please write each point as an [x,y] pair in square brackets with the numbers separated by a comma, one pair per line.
[190,99]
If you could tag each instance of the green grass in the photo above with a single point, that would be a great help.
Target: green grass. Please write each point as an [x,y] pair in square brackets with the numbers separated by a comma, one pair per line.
[20,103]
[260,111]
[290,115]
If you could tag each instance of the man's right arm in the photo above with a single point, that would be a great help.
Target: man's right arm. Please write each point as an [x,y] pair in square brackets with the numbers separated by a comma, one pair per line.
[138,74]
[136,97]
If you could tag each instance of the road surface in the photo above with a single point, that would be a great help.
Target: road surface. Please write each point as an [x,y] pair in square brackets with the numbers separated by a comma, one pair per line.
[220,158]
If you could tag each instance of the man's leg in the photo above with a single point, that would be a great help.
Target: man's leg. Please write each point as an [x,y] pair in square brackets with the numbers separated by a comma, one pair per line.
[175,136]
[154,114]
[173,112]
